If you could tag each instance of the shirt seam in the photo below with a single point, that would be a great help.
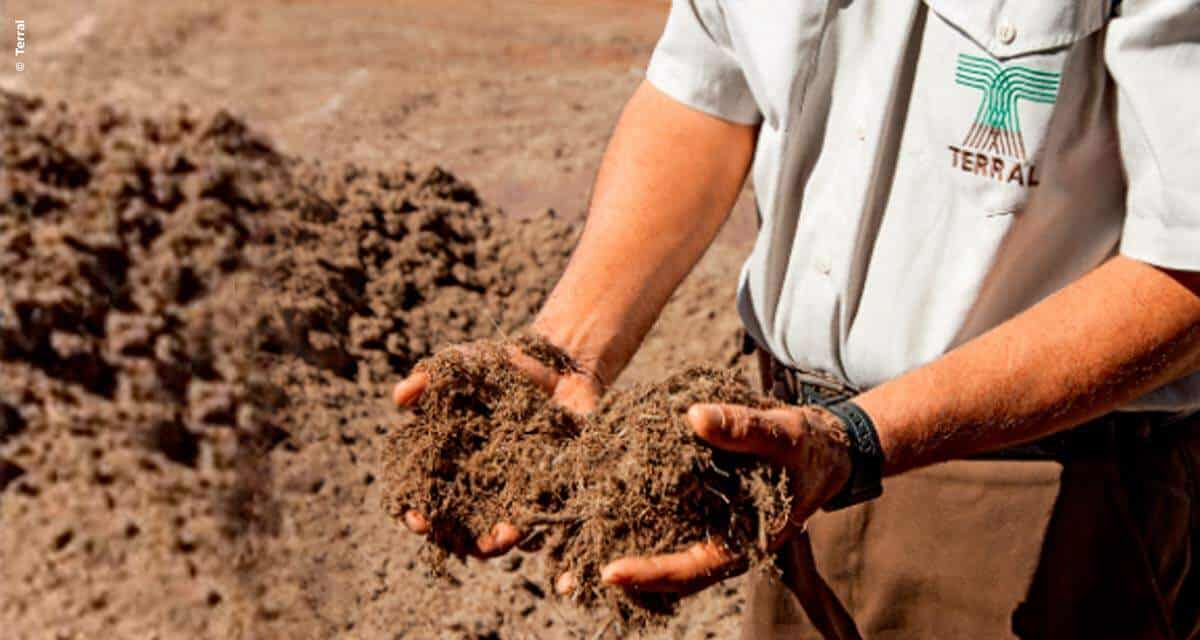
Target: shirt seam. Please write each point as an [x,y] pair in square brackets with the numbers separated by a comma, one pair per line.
[677,79]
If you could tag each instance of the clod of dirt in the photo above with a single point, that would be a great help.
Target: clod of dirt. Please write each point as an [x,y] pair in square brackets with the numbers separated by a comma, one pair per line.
[629,479]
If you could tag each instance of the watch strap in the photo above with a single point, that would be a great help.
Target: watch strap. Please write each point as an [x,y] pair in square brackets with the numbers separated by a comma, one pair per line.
[866,457]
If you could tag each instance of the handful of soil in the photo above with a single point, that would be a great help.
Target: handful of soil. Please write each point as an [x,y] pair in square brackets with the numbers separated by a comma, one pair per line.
[629,479]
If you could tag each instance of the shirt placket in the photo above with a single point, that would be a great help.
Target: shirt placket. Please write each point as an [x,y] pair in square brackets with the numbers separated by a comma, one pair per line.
[812,288]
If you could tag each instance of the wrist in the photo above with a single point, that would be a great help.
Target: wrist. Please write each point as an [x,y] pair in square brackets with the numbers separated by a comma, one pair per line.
[887,415]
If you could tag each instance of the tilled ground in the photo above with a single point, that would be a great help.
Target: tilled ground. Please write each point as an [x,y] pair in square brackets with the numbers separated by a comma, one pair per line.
[197,337]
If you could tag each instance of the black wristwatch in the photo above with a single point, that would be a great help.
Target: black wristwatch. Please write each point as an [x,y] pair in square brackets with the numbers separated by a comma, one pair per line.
[866,458]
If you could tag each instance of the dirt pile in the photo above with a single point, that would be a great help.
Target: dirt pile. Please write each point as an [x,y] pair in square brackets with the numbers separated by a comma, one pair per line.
[629,479]
[196,335]
[126,313]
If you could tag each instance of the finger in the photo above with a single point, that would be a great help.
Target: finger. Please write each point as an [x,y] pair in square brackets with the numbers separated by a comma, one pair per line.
[416,522]
[538,373]
[771,433]
[578,393]
[573,391]
[565,584]
[408,390]
[687,571]
[502,537]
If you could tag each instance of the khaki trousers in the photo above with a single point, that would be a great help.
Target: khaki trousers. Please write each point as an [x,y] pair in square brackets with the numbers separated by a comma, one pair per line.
[1102,544]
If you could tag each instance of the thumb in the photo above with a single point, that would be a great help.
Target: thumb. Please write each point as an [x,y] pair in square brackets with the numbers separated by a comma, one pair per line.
[771,433]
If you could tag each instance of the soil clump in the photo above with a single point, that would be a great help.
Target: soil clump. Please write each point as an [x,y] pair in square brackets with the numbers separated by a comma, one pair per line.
[631,478]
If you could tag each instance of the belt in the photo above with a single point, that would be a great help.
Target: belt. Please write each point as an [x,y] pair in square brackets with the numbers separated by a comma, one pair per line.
[799,386]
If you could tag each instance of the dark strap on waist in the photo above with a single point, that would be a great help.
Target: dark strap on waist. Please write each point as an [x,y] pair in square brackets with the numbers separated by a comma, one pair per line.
[796,386]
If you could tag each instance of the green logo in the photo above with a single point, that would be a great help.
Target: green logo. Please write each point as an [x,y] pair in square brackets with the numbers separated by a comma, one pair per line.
[997,126]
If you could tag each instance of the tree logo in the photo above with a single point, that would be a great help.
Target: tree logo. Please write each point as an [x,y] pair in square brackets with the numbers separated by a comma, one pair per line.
[997,126]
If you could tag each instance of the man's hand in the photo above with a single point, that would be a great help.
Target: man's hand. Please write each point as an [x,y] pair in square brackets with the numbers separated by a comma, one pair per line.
[575,391]
[639,242]
[808,442]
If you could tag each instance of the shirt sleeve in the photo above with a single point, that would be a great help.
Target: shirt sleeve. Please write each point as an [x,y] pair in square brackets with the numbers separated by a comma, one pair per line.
[694,64]
[1153,55]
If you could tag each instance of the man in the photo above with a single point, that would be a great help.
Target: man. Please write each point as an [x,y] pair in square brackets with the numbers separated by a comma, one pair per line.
[981,223]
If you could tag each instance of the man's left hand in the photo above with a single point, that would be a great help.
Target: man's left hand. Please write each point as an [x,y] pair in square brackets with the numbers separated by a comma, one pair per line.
[809,442]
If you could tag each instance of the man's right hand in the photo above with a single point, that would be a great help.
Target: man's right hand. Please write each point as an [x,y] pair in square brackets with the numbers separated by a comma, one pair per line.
[576,391]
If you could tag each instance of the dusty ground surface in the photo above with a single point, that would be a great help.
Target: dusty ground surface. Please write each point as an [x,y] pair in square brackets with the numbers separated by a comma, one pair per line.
[518,99]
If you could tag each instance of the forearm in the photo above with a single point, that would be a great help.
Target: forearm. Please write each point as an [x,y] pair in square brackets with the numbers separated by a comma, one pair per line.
[1118,332]
[667,183]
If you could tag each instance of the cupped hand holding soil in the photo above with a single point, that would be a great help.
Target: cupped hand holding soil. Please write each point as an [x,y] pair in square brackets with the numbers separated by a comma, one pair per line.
[563,381]
[807,442]
[630,494]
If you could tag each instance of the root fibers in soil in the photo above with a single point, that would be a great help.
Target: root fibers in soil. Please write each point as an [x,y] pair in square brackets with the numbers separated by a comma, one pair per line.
[629,479]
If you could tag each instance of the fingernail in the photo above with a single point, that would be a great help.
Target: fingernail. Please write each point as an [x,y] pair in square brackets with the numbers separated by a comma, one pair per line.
[485,544]
[705,416]
[491,538]
[416,523]
[505,535]
[610,575]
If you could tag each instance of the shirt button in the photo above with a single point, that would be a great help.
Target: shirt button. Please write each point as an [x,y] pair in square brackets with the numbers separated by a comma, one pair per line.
[821,264]
[1006,33]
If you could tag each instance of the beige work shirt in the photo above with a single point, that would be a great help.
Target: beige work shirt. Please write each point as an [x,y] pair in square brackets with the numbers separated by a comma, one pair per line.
[927,170]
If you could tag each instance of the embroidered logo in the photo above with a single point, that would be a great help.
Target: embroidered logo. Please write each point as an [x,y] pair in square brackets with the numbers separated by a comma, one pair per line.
[995,133]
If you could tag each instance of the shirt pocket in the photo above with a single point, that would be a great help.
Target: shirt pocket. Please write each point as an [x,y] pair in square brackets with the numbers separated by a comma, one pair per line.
[991,75]
[1013,28]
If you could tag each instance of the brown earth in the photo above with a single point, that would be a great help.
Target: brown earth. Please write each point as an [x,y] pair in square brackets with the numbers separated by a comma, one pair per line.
[629,478]
[520,97]
[151,485]
[199,334]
